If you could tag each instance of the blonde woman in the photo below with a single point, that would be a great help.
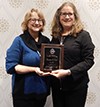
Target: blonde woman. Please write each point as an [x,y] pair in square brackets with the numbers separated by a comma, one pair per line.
[30,85]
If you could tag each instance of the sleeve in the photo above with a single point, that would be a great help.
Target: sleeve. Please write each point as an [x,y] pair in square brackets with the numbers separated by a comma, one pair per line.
[87,56]
[13,55]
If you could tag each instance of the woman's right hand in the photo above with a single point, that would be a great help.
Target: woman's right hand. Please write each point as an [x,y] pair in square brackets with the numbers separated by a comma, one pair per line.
[41,73]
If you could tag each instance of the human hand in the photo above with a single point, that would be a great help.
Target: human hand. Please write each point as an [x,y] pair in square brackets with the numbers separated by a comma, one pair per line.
[47,73]
[60,73]
[41,73]
[38,71]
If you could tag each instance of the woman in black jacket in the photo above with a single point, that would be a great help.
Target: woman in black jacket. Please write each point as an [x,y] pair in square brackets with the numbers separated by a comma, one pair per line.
[70,84]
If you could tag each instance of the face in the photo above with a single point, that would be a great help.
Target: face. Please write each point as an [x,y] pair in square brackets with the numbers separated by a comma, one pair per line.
[67,17]
[35,24]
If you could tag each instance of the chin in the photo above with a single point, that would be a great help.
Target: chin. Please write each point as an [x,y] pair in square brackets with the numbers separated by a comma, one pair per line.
[36,30]
[68,25]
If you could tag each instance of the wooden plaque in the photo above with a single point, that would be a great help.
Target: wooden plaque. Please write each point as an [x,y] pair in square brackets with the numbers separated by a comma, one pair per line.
[51,57]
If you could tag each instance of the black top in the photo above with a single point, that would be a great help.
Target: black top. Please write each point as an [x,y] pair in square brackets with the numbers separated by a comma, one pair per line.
[78,57]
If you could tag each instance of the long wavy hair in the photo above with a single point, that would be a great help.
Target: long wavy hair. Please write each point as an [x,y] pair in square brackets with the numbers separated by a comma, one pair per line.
[57,28]
[28,16]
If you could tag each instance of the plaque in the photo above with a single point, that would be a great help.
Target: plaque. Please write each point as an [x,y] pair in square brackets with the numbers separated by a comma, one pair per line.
[51,57]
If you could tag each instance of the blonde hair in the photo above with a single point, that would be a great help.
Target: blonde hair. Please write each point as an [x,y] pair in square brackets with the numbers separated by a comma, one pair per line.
[57,28]
[28,16]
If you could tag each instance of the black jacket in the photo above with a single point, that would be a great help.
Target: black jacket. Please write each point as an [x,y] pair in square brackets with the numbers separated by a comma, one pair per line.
[78,57]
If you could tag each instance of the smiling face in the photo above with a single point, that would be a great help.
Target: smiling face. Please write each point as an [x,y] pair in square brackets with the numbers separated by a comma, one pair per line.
[67,17]
[35,23]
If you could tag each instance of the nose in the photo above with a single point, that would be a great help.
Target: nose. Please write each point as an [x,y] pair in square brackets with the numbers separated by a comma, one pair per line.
[67,16]
[36,22]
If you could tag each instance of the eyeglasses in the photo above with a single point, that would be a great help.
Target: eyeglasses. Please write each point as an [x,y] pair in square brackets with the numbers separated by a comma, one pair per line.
[64,14]
[35,20]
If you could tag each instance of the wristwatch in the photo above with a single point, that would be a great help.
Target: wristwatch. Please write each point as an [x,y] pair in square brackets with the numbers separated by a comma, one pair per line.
[69,72]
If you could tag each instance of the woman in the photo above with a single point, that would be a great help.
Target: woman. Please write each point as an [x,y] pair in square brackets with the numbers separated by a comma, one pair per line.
[30,86]
[70,84]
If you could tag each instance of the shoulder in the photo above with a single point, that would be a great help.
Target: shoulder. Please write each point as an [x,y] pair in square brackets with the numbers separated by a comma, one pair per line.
[84,35]
[16,42]
[17,38]
[85,38]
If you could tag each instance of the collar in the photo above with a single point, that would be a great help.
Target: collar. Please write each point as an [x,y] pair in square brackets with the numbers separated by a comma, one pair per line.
[30,42]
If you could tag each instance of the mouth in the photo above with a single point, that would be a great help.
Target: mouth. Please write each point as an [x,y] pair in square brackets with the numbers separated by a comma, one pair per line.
[67,20]
[36,26]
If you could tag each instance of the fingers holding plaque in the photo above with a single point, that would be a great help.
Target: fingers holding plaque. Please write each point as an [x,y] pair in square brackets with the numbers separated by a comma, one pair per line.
[51,57]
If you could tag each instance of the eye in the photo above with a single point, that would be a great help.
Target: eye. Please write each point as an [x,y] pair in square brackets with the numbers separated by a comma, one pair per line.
[70,14]
[65,14]
[34,20]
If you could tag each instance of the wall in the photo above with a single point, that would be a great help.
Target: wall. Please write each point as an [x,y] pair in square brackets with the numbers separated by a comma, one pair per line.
[11,16]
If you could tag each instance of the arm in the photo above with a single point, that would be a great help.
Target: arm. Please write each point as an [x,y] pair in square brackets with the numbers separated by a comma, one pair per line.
[14,57]
[22,69]
[87,56]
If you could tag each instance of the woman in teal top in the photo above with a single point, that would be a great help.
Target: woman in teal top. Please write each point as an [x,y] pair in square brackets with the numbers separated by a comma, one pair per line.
[30,86]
